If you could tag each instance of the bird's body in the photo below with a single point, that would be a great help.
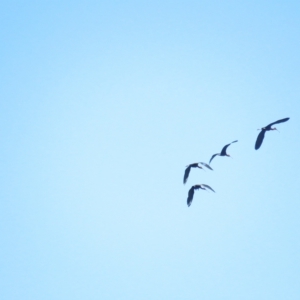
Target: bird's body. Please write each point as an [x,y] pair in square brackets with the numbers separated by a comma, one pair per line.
[194,165]
[261,135]
[223,152]
[196,187]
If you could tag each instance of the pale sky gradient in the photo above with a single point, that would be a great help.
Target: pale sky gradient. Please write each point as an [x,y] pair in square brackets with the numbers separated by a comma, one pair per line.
[103,104]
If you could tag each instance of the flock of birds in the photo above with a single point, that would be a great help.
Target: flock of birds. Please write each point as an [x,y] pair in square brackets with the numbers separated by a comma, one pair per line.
[223,152]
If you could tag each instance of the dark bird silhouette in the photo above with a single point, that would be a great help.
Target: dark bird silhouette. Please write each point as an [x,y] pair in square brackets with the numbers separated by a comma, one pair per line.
[194,165]
[188,169]
[261,135]
[196,187]
[223,152]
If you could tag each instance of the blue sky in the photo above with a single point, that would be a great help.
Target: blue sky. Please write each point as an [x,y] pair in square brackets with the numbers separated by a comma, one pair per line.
[103,104]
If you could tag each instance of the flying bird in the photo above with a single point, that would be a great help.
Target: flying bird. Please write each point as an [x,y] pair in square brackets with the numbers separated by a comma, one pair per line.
[194,165]
[196,187]
[188,169]
[223,152]
[261,135]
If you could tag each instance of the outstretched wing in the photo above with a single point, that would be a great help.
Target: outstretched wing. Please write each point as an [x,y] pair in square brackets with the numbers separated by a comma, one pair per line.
[259,139]
[213,157]
[207,186]
[206,165]
[223,152]
[190,196]
[186,174]
[279,121]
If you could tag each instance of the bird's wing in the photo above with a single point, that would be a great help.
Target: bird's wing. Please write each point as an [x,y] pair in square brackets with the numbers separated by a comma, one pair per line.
[190,196]
[206,165]
[186,174]
[259,139]
[213,157]
[207,186]
[279,121]
[223,152]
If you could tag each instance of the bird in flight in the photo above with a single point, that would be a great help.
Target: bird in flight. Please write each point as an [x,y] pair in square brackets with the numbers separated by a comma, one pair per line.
[223,152]
[196,187]
[261,135]
[195,165]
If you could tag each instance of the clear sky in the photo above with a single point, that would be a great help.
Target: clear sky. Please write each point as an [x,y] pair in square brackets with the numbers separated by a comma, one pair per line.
[103,104]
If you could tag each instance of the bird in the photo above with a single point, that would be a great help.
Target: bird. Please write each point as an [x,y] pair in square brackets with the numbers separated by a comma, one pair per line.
[196,187]
[194,165]
[261,135]
[223,152]
[188,169]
